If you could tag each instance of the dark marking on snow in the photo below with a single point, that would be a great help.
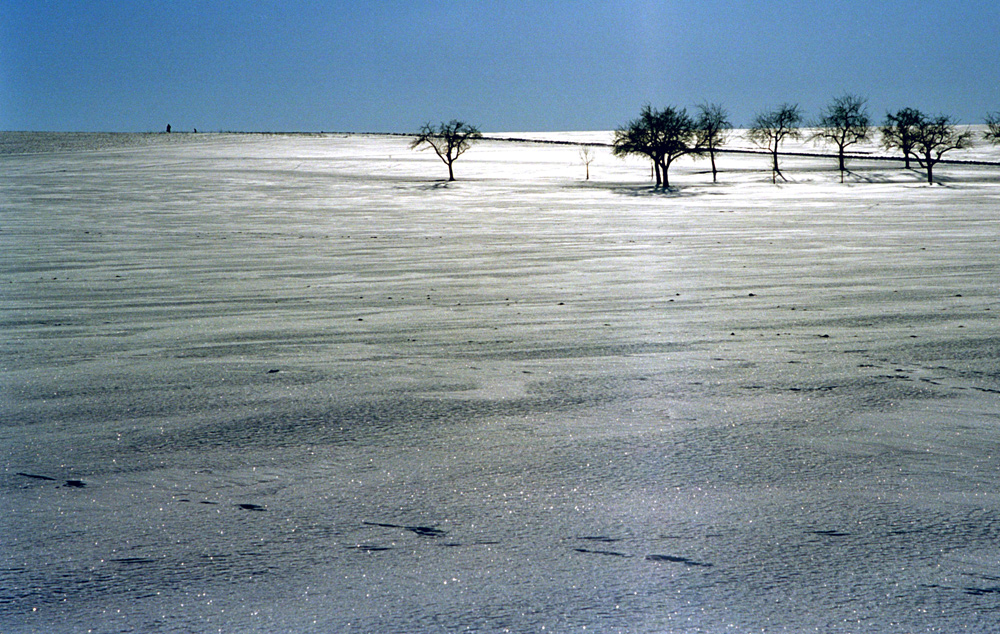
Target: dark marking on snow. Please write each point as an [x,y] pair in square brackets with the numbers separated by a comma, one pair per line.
[368,548]
[983,591]
[251,507]
[134,561]
[75,484]
[830,533]
[611,553]
[32,475]
[426,531]
[423,531]
[678,560]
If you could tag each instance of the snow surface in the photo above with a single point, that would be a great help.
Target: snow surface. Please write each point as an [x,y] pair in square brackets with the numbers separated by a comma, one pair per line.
[294,383]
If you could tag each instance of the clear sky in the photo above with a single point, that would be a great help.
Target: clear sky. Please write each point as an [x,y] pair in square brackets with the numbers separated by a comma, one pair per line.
[517,65]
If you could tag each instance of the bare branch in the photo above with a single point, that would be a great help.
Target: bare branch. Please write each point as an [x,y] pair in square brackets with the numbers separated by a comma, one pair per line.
[712,125]
[771,128]
[586,157]
[897,131]
[448,140]
[661,135]
[844,122]
[992,121]
[924,138]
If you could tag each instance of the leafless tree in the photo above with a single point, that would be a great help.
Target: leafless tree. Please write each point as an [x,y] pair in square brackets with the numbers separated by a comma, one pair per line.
[770,129]
[712,125]
[844,122]
[586,157]
[448,140]
[897,131]
[662,135]
[992,133]
[932,137]
[636,137]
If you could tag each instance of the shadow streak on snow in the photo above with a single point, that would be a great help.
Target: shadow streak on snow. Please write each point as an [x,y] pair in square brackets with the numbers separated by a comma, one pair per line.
[636,190]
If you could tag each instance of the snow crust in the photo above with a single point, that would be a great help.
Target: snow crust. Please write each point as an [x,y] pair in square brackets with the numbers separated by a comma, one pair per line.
[294,383]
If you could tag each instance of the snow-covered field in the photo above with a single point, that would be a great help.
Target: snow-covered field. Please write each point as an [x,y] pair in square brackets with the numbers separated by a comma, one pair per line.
[264,383]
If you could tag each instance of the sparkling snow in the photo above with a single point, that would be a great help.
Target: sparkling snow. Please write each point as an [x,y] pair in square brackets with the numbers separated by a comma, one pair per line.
[294,383]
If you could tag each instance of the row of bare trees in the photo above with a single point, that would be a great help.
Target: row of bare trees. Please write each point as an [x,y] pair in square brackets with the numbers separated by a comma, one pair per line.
[665,135]
[845,122]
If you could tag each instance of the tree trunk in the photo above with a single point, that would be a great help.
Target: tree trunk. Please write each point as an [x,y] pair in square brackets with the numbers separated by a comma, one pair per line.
[930,173]
[711,153]
[666,183]
[774,167]
[451,174]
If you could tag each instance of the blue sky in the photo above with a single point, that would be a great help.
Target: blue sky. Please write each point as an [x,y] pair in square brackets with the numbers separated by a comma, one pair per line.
[519,65]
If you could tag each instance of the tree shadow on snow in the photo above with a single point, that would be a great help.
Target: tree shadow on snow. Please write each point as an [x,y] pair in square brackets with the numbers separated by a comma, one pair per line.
[637,190]
[436,185]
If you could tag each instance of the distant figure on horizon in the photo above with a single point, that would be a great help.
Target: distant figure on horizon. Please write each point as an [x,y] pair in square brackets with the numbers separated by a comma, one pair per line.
[168,128]
[196,130]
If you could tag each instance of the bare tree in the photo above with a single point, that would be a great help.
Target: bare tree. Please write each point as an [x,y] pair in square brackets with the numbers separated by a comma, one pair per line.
[712,125]
[770,129]
[636,137]
[448,140]
[662,135]
[677,137]
[992,133]
[897,132]
[586,157]
[932,137]
[844,122]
